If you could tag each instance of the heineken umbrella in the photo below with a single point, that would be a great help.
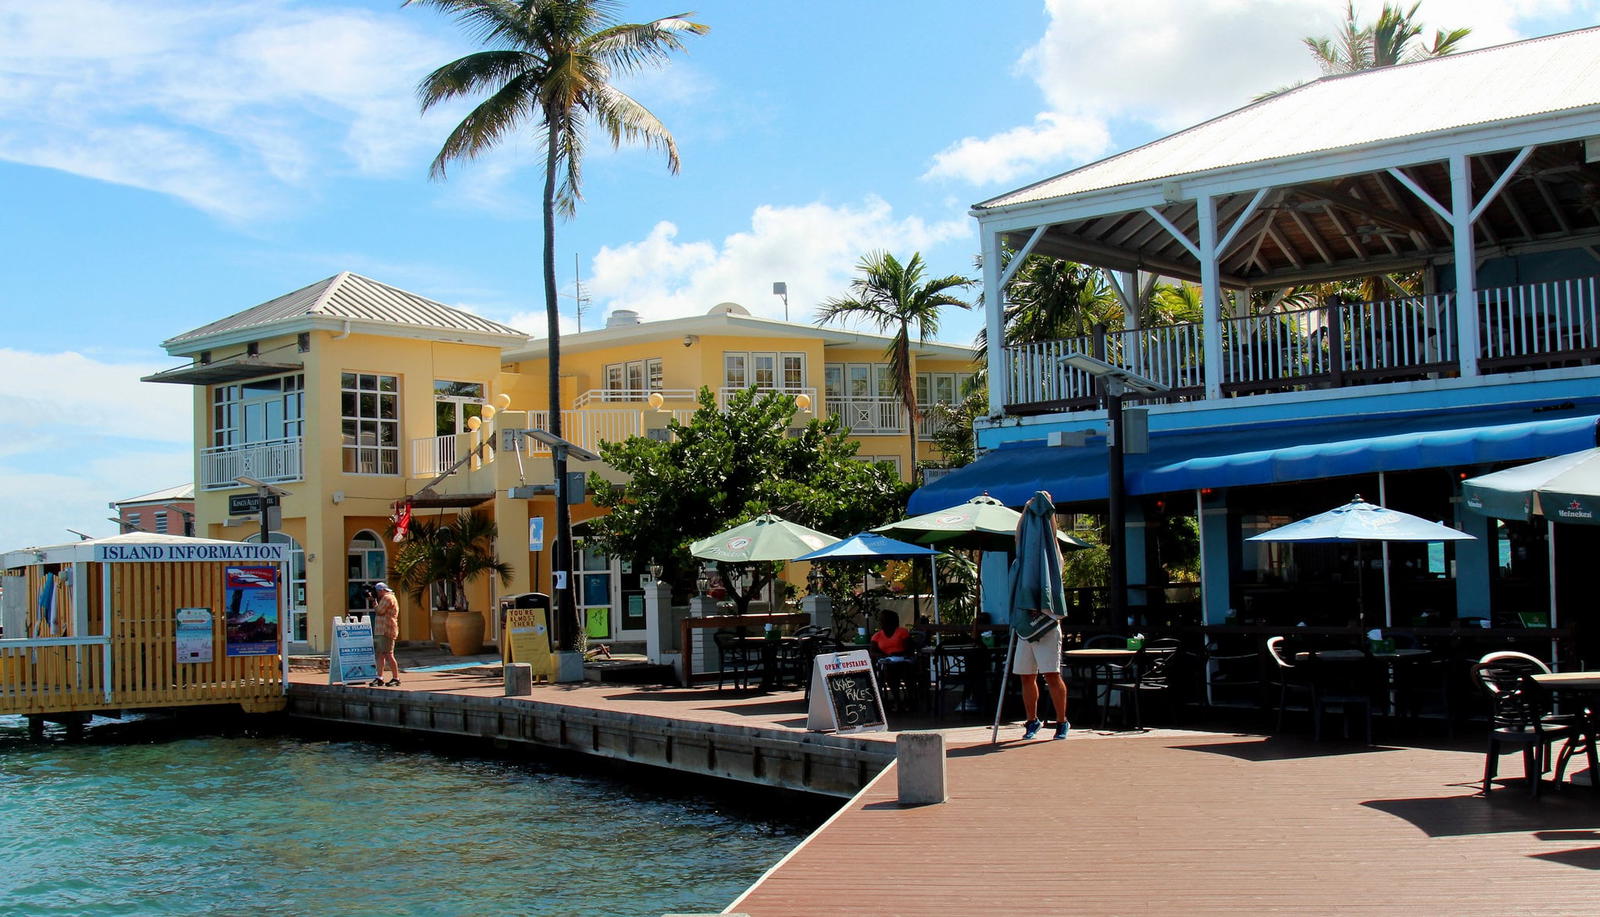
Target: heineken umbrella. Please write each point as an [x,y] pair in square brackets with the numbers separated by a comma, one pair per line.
[1360,521]
[980,524]
[766,537]
[1561,489]
[867,545]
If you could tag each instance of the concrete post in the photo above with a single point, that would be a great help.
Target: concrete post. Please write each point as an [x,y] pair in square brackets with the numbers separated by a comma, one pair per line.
[519,679]
[919,764]
[820,608]
[658,621]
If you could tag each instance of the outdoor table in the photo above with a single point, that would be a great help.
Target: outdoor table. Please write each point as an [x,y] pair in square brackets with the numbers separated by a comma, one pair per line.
[1575,683]
[769,656]
[1103,659]
[1388,658]
[939,659]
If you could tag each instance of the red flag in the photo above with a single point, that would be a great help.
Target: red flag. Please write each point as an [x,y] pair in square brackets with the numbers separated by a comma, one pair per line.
[402,522]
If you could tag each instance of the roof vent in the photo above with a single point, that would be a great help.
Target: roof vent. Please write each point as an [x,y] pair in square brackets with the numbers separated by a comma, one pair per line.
[728,308]
[620,317]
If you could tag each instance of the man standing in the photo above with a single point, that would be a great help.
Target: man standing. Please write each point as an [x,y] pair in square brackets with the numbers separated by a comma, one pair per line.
[1038,603]
[385,629]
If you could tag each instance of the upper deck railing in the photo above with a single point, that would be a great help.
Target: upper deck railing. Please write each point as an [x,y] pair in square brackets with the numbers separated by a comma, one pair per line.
[1522,327]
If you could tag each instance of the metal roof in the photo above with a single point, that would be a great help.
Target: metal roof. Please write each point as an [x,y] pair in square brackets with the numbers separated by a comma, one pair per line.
[351,297]
[180,492]
[1538,76]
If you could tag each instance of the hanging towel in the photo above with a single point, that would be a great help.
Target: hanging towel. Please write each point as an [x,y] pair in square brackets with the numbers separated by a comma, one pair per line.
[44,621]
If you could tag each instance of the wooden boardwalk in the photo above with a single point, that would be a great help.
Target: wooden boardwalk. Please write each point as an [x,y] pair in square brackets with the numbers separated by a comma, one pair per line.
[1198,823]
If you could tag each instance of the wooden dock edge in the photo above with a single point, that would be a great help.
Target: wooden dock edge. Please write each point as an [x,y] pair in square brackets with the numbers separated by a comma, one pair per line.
[804,762]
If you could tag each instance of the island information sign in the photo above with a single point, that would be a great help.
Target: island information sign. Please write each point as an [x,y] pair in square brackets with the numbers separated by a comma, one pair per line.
[195,635]
[844,694]
[250,595]
[353,658]
[528,640]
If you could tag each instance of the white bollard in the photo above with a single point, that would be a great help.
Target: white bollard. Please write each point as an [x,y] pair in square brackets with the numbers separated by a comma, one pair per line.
[519,679]
[919,764]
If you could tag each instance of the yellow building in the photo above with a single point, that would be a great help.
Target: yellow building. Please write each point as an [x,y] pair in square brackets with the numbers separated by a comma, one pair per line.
[356,398]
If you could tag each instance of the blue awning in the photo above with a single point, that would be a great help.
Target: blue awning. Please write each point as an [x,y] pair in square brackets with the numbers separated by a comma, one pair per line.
[1268,454]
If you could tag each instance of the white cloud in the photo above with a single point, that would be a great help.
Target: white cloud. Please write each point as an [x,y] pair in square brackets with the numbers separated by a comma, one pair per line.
[1146,67]
[813,248]
[227,106]
[81,433]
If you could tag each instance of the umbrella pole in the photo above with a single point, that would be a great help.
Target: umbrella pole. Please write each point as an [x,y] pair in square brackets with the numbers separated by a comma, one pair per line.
[933,578]
[1000,695]
[1388,587]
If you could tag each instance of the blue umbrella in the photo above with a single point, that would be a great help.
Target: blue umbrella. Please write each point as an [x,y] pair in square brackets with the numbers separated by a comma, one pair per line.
[1359,520]
[868,544]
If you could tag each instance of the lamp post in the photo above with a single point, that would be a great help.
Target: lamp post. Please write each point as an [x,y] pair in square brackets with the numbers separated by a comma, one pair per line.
[561,566]
[781,289]
[1115,383]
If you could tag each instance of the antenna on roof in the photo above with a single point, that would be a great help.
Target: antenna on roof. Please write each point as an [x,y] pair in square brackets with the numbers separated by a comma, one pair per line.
[581,301]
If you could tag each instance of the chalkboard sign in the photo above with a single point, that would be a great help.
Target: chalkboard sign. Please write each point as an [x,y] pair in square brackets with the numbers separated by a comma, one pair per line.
[844,694]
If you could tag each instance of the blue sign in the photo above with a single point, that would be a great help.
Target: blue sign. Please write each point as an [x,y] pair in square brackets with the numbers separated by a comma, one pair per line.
[536,533]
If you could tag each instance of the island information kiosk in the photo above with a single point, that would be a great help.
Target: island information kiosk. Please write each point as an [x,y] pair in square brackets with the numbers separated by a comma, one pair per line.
[844,694]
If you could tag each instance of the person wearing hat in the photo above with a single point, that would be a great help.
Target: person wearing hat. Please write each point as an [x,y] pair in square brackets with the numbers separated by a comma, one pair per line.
[385,628]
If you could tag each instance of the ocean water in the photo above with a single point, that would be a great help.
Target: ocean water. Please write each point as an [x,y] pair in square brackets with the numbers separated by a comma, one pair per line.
[142,820]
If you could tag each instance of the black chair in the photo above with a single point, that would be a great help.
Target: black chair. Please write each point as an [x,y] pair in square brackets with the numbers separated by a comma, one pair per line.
[1151,669]
[1231,677]
[1327,685]
[801,655]
[736,658]
[1092,678]
[1519,716]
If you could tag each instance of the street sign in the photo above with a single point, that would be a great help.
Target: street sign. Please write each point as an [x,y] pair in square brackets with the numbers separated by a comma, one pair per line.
[248,504]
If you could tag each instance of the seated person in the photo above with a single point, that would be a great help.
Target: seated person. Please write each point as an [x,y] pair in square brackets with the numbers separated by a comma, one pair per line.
[893,648]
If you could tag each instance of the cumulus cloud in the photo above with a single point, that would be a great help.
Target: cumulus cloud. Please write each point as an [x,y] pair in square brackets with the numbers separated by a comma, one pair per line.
[812,247]
[1140,68]
[81,433]
[225,106]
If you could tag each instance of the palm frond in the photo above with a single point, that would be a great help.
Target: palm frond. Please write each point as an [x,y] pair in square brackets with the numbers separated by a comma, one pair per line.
[486,125]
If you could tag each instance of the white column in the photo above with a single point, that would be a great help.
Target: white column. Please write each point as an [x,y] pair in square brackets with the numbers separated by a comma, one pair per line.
[1210,295]
[994,309]
[1466,268]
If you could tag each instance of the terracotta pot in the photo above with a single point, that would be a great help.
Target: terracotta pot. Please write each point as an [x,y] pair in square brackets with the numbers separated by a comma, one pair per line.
[465,629]
[436,629]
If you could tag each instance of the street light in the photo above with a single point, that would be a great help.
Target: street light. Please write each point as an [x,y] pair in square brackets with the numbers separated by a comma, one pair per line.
[780,288]
[1115,382]
[561,569]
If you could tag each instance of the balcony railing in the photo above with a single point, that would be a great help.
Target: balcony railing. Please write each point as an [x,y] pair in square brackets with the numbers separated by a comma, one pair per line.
[1522,327]
[629,395]
[589,428]
[869,416]
[726,392]
[274,462]
[434,455]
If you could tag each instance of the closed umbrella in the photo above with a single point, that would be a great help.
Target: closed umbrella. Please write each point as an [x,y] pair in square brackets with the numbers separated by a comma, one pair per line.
[1360,521]
[1035,579]
[1561,489]
[869,545]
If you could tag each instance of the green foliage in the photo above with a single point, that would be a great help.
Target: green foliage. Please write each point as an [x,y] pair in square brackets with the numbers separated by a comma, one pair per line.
[727,466]
[443,557]
[953,433]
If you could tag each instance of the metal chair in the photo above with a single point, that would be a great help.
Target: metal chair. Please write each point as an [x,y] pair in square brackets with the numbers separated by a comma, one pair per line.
[1518,717]
[1150,670]
[1326,685]
[735,658]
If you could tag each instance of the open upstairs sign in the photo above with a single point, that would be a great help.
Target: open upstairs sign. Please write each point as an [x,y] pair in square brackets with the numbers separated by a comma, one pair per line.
[844,694]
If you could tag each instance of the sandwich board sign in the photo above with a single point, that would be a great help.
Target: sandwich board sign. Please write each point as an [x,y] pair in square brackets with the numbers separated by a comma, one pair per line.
[528,640]
[353,657]
[844,694]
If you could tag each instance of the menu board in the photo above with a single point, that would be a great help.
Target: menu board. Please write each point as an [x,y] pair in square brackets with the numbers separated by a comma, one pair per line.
[844,694]
[528,640]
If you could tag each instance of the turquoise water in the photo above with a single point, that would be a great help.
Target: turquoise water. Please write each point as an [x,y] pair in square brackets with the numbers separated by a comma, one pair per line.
[133,822]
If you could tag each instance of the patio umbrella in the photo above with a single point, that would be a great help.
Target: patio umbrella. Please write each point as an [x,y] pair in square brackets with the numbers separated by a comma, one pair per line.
[980,524]
[1561,489]
[764,538]
[1360,521]
[869,545]
[1035,580]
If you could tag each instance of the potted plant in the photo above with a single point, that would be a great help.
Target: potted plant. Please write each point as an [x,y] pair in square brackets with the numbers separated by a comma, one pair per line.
[442,559]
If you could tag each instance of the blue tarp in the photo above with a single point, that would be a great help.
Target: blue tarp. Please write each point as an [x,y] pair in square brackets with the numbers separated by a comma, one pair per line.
[1269,453]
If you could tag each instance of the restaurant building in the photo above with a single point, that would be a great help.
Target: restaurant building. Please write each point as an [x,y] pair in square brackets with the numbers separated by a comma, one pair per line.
[1466,191]
[358,398]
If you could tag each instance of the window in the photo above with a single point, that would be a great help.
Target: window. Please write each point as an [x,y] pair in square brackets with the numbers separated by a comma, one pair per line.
[133,520]
[633,381]
[365,564]
[454,403]
[941,388]
[161,522]
[258,411]
[794,371]
[766,371]
[735,371]
[370,423]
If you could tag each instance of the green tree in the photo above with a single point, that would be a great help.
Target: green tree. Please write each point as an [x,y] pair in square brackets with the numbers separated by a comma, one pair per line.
[1051,299]
[894,297]
[727,466]
[447,556]
[1391,40]
[953,433]
[550,65]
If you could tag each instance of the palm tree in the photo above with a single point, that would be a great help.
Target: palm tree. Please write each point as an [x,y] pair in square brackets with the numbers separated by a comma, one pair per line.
[893,297]
[448,556]
[550,67]
[1385,43]
[1050,299]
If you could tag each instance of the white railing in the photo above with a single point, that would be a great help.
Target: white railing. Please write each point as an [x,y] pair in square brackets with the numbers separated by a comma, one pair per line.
[1398,333]
[274,462]
[1169,354]
[1034,372]
[627,395]
[869,416]
[1540,318]
[726,392]
[589,428]
[434,455]
[1278,347]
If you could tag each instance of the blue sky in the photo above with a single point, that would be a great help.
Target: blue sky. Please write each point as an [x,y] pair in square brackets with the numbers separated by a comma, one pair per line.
[168,162]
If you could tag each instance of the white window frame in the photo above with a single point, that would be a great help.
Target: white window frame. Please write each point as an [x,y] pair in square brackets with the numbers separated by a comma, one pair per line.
[353,443]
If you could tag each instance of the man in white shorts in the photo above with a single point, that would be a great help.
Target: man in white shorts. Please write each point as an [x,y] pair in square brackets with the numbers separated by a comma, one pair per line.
[1041,655]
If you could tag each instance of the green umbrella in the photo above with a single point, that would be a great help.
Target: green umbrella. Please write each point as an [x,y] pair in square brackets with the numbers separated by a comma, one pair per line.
[766,537]
[980,524]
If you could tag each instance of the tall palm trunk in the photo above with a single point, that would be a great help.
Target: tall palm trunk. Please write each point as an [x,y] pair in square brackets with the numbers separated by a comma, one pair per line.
[561,566]
[908,397]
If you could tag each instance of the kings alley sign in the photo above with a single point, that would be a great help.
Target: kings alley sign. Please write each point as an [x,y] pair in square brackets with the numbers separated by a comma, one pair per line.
[155,553]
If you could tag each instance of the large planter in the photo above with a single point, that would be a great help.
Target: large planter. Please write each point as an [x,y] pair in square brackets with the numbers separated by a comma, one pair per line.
[465,631]
[436,626]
